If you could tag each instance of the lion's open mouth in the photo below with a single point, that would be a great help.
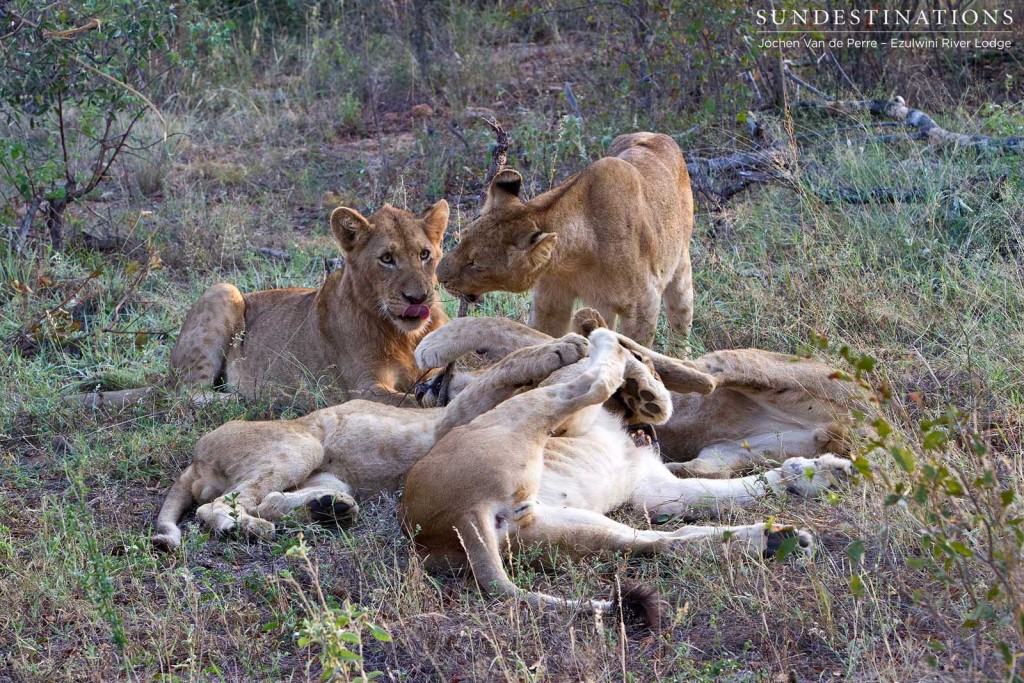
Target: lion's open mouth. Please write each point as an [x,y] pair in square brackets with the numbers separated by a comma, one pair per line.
[417,311]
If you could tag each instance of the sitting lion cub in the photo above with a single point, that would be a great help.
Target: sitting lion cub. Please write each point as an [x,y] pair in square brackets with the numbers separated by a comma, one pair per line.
[354,335]
[616,235]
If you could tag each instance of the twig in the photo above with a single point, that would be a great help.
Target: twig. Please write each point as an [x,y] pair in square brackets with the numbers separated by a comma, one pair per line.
[804,84]
[26,223]
[275,253]
[499,156]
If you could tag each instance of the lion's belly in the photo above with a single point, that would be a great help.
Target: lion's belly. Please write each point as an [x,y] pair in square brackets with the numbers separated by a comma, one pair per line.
[598,471]
[371,446]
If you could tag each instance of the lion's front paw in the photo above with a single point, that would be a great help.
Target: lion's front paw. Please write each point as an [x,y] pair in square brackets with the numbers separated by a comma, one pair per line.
[569,349]
[429,356]
[255,528]
[809,477]
[330,510]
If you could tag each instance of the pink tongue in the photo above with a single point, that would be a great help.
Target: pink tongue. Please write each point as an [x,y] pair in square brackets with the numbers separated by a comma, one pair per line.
[420,311]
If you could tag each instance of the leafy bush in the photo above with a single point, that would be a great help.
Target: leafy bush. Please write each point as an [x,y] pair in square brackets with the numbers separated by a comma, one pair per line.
[72,93]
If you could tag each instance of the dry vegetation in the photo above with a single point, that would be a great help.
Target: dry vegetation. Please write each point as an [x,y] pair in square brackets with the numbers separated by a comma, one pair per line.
[272,133]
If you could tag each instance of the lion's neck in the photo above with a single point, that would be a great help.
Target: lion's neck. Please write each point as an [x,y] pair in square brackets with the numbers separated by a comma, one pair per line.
[557,211]
[348,319]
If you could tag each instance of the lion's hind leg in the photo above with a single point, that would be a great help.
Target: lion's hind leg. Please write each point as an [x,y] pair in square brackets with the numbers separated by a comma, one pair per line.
[661,493]
[324,498]
[678,298]
[267,458]
[213,322]
[582,532]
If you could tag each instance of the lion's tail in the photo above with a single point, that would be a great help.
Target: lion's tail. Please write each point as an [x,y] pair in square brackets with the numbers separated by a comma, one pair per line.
[179,498]
[635,604]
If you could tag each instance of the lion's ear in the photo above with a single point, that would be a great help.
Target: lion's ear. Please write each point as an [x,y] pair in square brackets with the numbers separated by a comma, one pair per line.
[586,320]
[541,246]
[346,224]
[505,187]
[436,219]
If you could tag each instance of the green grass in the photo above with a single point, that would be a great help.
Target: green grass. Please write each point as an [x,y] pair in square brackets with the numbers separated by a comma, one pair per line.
[933,289]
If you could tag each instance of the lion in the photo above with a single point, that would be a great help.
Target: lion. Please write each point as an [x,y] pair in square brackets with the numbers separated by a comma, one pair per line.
[247,475]
[615,235]
[354,336]
[765,406]
[543,468]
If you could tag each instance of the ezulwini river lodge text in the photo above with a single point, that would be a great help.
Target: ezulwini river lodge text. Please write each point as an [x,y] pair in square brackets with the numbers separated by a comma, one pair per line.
[976,43]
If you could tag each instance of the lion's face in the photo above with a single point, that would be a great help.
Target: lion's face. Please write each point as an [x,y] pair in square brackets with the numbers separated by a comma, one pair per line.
[391,257]
[503,249]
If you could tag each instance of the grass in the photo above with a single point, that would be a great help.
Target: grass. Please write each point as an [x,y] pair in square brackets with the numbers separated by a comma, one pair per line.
[934,290]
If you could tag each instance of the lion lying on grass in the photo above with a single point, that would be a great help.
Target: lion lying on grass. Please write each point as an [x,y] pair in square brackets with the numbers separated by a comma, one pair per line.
[765,406]
[543,467]
[353,336]
[247,475]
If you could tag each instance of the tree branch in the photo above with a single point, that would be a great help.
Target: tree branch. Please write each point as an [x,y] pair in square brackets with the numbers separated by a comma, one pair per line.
[927,129]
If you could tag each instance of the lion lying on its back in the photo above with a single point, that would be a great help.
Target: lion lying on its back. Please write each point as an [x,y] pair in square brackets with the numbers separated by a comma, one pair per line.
[353,336]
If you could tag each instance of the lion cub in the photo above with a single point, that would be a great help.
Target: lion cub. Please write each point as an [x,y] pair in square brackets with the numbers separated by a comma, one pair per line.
[615,235]
[353,336]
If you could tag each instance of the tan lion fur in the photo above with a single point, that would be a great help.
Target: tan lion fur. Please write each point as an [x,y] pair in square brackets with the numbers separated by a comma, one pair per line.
[615,235]
[246,475]
[348,338]
[541,470]
[765,407]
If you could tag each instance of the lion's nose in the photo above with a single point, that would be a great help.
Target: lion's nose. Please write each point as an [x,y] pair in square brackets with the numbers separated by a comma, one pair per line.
[415,298]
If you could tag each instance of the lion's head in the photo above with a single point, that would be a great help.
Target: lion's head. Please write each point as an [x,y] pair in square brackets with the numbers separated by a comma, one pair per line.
[503,249]
[391,257]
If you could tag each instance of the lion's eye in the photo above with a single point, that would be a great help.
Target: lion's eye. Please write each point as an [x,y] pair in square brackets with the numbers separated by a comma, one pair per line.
[425,255]
[387,259]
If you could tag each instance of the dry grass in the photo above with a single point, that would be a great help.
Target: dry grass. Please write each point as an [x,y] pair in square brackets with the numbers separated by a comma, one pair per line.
[932,290]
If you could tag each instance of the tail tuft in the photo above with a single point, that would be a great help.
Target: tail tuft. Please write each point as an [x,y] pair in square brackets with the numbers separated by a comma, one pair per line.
[638,605]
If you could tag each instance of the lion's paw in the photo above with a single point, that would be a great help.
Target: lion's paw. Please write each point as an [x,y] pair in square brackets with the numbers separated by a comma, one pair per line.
[809,477]
[569,349]
[330,510]
[767,540]
[776,536]
[602,342]
[429,355]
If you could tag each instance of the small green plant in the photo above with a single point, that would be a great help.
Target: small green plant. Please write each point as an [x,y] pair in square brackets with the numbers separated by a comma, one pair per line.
[337,630]
[970,529]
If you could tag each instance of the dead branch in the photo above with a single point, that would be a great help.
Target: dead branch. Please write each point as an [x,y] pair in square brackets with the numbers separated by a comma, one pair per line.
[721,178]
[876,195]
[804,84]
[927,129]
[499,156]
[270,252]
[26,223]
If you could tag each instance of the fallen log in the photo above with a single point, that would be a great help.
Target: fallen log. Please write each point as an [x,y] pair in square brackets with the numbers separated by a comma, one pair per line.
[927,129]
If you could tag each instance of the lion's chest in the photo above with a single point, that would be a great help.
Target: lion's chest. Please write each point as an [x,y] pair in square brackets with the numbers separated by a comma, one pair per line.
[597,470]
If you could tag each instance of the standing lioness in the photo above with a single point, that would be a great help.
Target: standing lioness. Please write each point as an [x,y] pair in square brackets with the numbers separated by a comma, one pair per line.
[615,235]
[354,335]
